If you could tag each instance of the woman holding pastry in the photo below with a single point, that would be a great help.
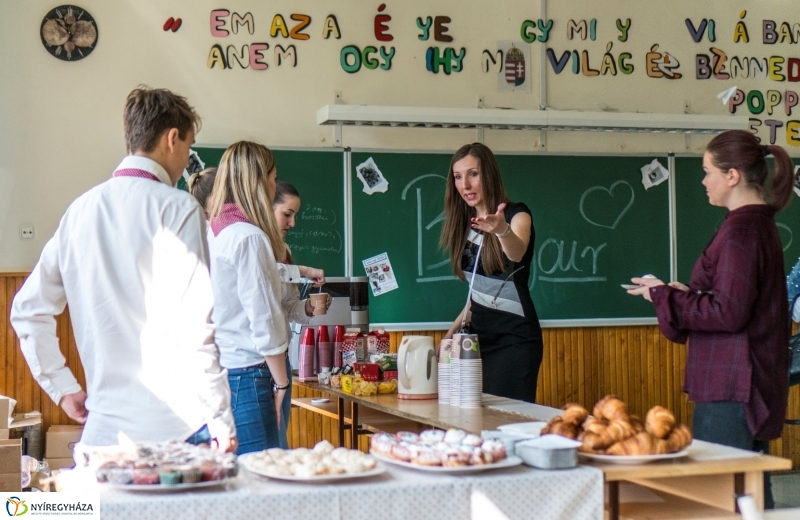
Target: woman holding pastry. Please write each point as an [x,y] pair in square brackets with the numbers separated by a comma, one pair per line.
[480,217]
[734,310]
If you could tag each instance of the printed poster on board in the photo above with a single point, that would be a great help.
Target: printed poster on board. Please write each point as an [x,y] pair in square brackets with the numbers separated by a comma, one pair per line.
[380,273]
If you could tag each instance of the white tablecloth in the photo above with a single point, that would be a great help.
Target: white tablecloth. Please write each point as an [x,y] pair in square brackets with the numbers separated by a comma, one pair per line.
[403,494]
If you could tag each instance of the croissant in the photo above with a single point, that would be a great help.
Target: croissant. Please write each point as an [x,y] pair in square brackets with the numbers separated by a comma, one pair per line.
[549,426]
[660,446]
[639,444]
[615,431]
[679,438]
[557,426]
[574,414]
[595,426]
[659,422]
[564,429]
[611,408]
[588,441]
[636,424]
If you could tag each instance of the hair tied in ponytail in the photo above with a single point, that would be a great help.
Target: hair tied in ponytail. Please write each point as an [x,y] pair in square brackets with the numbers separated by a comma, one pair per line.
[764,150]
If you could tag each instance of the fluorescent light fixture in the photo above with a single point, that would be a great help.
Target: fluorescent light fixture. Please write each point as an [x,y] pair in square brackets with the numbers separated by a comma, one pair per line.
[431,117]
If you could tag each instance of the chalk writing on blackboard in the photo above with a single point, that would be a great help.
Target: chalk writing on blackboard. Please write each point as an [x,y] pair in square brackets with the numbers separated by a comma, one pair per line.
[597,221]
[315,237]
[421,229]
[317,214]
[550,262]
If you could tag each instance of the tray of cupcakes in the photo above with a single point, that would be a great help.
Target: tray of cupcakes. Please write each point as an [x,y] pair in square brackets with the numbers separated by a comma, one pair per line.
[437,451]
[612,434]
[167,466]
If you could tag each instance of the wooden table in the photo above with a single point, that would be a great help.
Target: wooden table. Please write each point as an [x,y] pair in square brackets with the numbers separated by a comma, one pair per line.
[371,421]
[712,474]
[428,412]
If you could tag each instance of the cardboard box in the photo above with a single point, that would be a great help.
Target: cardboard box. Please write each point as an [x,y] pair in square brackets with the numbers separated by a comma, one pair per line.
[64,462]
[10,456]
[10,482]
[4,434]
[5,413]
[21,420]
[60,441]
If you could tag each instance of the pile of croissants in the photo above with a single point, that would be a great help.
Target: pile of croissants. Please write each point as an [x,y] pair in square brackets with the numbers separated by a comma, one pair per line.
[611,430]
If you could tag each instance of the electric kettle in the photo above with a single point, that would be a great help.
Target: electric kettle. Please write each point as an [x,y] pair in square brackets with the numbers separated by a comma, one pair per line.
[417,368]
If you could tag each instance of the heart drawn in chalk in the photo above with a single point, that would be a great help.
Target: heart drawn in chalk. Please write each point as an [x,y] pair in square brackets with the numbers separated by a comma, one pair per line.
[616,195]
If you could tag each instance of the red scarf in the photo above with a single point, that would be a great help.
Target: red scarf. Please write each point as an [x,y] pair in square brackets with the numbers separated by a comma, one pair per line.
[136,172]
[230,214]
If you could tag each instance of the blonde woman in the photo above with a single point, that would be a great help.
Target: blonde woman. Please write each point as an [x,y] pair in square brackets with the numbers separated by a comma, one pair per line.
[245,246]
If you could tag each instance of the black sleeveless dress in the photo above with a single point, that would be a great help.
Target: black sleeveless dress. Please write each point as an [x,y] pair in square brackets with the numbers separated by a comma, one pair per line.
[505,320]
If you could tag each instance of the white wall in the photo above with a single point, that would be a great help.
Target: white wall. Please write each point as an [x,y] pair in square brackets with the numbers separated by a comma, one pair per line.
[60,123]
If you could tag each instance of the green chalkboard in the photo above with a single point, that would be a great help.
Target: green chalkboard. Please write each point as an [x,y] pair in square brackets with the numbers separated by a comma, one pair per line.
[697,220]
[596,227]
[318,238]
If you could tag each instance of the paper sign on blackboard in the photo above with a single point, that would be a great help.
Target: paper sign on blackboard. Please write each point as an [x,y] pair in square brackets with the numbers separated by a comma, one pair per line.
[380,273]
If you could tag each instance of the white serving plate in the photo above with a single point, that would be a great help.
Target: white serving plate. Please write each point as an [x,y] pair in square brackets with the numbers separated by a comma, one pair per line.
[160,488]
[634,459]
[507,462]
[377,470]
[525,428]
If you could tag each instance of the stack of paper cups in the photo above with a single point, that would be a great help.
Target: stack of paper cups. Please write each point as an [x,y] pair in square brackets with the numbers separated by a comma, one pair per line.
[307,348]
[455,372]
[444,371]
[338,338]
[470,370]
[324,350]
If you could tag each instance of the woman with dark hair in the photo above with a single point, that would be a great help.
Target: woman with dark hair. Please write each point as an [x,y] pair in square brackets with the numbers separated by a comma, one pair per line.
[734,311]
[201,184]
[479,217]
[285,206]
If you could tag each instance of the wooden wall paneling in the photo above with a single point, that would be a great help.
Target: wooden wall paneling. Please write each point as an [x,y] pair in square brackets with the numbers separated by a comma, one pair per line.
[5,352]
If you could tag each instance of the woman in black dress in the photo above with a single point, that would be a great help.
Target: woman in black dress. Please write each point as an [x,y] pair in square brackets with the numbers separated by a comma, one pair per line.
[500,310]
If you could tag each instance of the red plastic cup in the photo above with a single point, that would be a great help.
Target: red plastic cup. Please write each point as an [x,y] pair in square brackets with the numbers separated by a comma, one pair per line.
[338,339]
[307,349]
[324,350]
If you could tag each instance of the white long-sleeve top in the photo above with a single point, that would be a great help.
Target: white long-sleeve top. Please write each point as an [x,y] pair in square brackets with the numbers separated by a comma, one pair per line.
[251,323]
[130,259]
[293,307]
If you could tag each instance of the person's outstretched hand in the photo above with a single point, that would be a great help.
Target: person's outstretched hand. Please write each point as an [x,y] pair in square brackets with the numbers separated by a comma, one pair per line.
[74,406]
[493,223]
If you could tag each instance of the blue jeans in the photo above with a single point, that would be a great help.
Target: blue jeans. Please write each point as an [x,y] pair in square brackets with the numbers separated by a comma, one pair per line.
[253,409]
[286,410]
[201,436]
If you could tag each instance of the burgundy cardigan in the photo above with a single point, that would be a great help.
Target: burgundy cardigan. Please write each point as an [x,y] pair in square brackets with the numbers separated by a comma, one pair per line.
[735,316]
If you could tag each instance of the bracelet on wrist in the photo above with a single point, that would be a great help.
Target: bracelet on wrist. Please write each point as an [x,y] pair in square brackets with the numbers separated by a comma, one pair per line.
[504,234]
[276,387]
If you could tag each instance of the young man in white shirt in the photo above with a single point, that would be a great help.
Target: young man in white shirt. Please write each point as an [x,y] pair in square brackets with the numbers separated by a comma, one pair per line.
[131,260]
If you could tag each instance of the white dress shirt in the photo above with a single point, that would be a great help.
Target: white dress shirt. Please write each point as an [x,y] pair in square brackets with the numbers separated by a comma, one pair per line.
[248,312]
[130,259]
